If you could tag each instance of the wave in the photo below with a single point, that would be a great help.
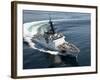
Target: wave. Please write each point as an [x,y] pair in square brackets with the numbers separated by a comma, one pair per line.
[36,26]
[32,28]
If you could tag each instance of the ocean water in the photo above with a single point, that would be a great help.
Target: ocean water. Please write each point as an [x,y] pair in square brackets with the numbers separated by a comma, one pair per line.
[76,28]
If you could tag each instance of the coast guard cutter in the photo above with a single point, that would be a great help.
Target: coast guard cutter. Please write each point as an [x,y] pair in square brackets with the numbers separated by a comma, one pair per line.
[51,41]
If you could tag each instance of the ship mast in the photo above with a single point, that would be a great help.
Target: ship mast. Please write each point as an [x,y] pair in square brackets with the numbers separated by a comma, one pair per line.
[51,25]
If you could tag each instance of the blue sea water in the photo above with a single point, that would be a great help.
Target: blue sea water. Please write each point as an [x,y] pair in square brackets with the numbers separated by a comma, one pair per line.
[76,28]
